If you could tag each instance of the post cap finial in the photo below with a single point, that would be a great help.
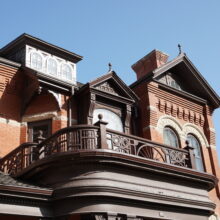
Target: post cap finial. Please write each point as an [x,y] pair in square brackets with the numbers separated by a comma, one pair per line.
[100,117]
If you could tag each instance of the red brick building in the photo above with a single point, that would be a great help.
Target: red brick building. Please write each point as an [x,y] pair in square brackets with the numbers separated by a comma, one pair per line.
[104,149]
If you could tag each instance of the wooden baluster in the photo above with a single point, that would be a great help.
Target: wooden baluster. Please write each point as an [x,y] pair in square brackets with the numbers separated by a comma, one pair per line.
[102,125]
[191,156]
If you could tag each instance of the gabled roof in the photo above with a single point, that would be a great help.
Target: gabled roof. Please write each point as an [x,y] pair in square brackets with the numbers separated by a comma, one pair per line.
[24,39]
[184,68]
[117,86]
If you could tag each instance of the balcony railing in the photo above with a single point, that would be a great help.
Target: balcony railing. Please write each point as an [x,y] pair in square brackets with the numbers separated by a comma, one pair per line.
[89,137]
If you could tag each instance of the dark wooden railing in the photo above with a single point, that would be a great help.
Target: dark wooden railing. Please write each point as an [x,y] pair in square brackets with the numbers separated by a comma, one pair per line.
[89,137]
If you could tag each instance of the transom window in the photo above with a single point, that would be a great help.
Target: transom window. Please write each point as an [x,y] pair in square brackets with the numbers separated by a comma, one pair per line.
[193,142]
[170,137]
[36,61]
[52,66]
[66,72]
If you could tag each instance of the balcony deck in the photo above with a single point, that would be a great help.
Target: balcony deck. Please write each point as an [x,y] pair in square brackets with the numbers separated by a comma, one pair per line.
[92,137]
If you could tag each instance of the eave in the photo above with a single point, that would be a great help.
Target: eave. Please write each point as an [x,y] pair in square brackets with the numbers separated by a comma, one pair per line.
[129,95]
[183,59]
[182,93]
[51,82]
[9,63]
[40,44]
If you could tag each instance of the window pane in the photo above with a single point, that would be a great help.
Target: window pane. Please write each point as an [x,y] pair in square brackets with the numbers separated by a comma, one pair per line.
[193,142]
[114,121]
[52,67]
[36,61]
[66,72]
[170,137]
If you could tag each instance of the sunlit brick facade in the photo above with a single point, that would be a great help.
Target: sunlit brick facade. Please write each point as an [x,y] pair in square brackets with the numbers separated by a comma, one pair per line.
[144,151]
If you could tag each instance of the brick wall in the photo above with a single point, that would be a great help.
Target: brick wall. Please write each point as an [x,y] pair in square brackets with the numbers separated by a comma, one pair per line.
[156,103]
[11,83]
[13,120]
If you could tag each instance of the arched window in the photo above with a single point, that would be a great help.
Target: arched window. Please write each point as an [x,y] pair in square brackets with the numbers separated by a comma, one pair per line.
[193,142]
[170,137]
[66,72]
[52,66]
[36,61]
[114,121]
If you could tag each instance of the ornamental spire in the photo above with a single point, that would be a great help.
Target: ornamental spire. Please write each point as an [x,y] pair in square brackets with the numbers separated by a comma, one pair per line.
[180,49]
[110,67]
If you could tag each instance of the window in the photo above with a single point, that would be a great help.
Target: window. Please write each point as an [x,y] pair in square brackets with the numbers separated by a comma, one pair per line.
[36,61]
[35,127]
[170,137]
[171,80]
[193,142]
[66,72]
[114,121]
[52,67]
[175,85]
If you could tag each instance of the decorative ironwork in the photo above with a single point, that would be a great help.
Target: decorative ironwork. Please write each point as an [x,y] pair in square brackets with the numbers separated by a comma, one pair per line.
[90,137]
[175,157]
[153,153]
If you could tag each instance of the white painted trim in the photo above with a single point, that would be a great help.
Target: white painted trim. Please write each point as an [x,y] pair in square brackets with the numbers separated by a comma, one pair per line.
[10,122]
[211,129]
[149,127]
[57,96]
[190,128]
[45,56]
[168,121]
[150,107]
[213,146]
[182,131]
[37,117]
[21,209]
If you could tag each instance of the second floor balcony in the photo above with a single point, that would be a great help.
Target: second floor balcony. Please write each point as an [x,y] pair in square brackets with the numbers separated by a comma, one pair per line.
[93,138]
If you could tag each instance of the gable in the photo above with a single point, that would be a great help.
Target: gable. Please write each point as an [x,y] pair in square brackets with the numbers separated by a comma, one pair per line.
[182,75]
[111,84]
[107,87]
[171,80]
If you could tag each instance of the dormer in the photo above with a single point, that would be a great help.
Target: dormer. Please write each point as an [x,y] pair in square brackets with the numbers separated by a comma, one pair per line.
[110,97]
[49,60]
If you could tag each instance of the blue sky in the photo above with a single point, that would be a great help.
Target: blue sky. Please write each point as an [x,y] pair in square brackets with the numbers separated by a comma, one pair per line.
[121,32]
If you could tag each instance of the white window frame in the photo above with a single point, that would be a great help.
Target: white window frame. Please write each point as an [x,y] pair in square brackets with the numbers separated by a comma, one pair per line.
[35,52]
[57,66]
[198,159]
[61,71]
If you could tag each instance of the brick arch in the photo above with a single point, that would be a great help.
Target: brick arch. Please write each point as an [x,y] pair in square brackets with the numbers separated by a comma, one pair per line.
[169,121]
[190,128]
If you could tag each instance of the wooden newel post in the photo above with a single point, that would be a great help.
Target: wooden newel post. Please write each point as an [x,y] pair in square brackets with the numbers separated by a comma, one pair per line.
[35,151]
[40,137]
[102,125]
[191,155]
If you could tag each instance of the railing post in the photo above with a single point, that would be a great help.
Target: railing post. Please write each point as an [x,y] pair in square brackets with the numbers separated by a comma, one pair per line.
[191,155]
[102,125]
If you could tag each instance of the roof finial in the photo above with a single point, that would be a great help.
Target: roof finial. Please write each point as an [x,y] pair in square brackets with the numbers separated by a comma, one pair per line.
[110,67]
[180,49]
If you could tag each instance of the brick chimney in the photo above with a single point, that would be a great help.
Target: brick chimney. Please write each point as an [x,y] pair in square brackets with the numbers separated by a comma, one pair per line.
[150,62]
